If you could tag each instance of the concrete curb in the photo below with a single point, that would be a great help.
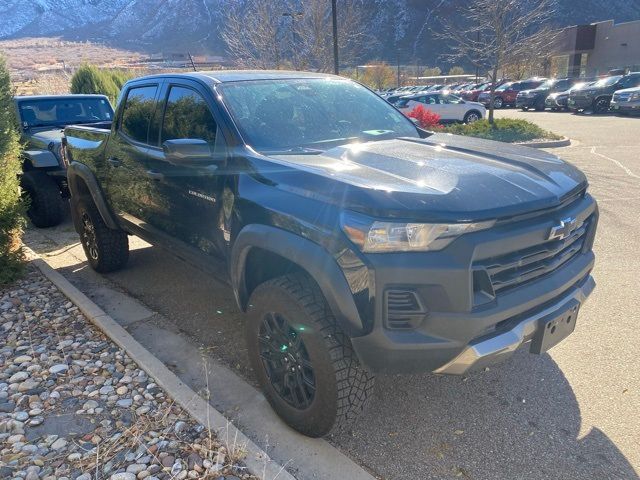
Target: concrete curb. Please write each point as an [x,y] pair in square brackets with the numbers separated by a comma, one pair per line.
[256,459]
[563,142]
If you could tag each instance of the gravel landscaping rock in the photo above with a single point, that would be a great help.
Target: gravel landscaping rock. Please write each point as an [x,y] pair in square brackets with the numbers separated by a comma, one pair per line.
[74,406]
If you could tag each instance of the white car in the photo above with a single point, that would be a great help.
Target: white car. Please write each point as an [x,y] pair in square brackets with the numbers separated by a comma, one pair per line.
[451,108]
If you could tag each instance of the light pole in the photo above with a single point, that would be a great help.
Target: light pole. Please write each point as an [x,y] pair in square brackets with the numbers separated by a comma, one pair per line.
[334,16]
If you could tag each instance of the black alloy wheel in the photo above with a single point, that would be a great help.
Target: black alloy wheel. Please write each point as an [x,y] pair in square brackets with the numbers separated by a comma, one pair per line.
[286,361]
[89,237]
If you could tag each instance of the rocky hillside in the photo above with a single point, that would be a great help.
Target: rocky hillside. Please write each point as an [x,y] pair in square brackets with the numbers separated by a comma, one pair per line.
[155,25]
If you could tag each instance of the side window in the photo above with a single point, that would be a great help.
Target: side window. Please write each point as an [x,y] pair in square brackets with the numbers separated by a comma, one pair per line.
[138,109]
[187,116]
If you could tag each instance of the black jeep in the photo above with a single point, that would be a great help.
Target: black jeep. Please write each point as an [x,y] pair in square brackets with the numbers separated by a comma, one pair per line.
[43,119]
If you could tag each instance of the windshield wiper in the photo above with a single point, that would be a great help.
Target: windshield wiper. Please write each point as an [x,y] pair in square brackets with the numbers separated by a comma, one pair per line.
[295,151]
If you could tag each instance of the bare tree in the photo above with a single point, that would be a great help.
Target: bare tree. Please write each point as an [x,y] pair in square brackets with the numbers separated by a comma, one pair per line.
[493,33]
[268,34]
[253,33]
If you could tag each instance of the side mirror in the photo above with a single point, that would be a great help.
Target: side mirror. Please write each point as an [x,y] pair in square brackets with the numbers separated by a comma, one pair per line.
[188,151]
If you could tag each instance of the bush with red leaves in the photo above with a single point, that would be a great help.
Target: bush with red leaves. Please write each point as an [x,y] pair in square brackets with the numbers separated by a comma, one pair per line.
[426,118]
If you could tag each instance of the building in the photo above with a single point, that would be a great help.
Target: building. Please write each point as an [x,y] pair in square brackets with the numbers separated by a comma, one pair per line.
[597,48]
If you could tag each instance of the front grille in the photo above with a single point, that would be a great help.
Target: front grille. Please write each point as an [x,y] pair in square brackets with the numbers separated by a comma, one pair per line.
[404,309]
[520,267]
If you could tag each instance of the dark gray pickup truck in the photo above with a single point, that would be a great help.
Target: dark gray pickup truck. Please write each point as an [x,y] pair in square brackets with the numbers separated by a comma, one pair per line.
[356,242]
[42,119]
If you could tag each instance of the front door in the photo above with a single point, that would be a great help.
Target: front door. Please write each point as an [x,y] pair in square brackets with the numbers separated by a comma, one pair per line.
[190,194]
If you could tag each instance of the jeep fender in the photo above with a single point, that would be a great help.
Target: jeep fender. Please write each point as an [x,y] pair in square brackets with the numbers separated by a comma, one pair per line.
[311,257]
[40,158]
[77,172]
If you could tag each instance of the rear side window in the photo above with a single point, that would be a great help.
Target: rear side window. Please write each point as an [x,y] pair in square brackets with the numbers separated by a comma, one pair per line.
[188,116]
[137,113]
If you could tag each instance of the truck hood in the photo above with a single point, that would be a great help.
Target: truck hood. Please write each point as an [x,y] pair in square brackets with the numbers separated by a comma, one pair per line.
[443,177]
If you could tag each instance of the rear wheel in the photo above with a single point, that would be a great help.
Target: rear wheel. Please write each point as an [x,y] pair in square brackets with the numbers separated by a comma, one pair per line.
[107,250]
[46,207]
[303,361]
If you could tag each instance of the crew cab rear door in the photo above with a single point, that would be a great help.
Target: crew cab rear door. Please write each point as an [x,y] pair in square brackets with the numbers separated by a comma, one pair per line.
[122,172]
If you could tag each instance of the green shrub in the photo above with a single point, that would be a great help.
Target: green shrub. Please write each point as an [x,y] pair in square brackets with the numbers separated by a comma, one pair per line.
[91,79]
[11,205]
[504,130]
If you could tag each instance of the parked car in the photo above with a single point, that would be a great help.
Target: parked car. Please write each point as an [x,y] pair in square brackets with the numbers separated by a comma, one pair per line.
[505,94]
[558,100]
[451,108]
[626,101]
[536,98]
[356,242]
[472,93]
[597,97]
[44,177]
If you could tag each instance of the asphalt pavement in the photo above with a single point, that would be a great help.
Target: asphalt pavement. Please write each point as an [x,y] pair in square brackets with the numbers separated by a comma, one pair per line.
[573,413]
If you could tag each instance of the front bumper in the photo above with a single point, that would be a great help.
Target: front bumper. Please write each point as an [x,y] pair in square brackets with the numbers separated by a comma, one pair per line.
[526,102]
[462,329]
[496,348]
[580,102]
[626,107]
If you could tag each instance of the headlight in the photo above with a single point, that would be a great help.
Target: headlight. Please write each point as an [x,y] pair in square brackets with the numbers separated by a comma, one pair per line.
[635,96]
[377,237]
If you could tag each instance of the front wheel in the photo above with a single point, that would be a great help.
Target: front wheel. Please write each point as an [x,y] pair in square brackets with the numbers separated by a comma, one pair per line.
[472,116]
[107,250]
[46,207]
[498,102]
[303,361]
[601,105]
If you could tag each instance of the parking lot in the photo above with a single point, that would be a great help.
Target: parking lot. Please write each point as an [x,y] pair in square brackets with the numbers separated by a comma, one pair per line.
[569,414]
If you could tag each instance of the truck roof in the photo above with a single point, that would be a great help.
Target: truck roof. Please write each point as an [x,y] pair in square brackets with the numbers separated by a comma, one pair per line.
[56,97]
[223,76]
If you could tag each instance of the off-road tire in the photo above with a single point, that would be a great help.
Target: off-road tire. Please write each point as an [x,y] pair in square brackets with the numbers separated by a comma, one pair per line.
[107,250]
[342,385]
[46,207]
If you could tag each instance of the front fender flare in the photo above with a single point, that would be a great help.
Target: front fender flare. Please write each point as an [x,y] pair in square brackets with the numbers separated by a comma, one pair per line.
[77,171]
[310,256]
[40,158]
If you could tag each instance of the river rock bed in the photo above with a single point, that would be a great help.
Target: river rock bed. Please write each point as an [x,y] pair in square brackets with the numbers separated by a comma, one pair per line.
[73,405]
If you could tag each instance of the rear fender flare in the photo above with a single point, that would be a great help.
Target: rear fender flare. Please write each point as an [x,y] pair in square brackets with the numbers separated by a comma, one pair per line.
[77,172]
[309,256]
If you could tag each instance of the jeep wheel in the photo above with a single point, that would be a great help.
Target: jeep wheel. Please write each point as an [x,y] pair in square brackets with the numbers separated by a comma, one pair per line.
[46,208]
[106,249]
[601,105]
[498,102]
[303,361]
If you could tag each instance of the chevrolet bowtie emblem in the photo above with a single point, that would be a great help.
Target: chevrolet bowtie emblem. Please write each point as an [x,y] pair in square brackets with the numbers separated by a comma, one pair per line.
[563,229]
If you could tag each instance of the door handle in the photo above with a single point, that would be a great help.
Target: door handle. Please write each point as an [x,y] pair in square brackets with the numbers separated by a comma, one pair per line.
[155,175]
[114,162]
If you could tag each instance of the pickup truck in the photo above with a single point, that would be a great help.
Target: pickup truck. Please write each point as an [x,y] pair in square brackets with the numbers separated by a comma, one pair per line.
[355,242]
[42,119]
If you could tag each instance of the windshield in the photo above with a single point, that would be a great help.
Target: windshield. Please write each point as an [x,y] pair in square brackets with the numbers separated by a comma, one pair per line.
[291,114]
[64,111]
[605,82]
[504,86]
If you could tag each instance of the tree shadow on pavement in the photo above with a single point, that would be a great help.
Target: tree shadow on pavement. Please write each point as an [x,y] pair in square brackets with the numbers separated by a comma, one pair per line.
[519,420]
